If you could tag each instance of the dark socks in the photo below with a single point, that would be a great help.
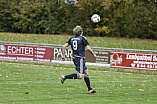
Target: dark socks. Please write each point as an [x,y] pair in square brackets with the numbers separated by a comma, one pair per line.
[72,76]
[76,76]
[87,81]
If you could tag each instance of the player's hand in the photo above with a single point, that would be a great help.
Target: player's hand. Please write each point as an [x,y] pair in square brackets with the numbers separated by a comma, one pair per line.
[63,58]
[95,55]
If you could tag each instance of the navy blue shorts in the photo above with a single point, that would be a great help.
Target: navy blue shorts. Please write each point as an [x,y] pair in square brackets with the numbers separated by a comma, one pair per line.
[80,64]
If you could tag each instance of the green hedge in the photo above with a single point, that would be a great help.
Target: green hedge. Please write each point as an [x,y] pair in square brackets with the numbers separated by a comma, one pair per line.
[119,18]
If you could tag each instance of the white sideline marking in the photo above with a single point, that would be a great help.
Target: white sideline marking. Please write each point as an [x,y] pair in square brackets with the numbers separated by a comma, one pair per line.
[81,82]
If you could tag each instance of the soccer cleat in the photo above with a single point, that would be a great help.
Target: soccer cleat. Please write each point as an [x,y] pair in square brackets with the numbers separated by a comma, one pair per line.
[63,79]
[91,91]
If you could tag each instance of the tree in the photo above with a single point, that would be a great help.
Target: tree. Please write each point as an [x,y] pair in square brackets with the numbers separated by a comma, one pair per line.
[120,18]
[5,16]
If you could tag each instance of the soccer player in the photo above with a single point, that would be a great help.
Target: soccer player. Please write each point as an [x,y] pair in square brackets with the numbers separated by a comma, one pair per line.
[78,44]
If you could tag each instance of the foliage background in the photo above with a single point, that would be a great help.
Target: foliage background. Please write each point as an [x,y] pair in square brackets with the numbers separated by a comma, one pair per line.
[119,18]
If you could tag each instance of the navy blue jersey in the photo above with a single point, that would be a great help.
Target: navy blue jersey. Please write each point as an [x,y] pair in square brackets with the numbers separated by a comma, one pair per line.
[78,44]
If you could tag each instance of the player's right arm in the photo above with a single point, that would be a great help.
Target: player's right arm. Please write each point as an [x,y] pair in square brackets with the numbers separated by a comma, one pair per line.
[63,50]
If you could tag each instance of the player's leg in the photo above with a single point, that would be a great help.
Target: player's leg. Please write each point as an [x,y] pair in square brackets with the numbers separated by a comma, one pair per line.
[83,69]
[71,76]
[86,77]
[76,61]
[87,81]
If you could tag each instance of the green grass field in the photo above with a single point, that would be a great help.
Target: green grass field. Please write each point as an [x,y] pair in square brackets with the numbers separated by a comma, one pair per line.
[43,86]
[42,81]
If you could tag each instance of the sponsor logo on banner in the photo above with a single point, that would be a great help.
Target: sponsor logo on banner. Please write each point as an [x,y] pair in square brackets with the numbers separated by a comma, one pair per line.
[57,54]
[143,61]
[2,49]
[25,53]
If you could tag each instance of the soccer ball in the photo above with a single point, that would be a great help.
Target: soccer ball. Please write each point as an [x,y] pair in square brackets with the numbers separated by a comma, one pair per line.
[95,18]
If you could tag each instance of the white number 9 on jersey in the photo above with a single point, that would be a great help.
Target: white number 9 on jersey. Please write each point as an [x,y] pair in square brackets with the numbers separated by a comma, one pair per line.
[75,45]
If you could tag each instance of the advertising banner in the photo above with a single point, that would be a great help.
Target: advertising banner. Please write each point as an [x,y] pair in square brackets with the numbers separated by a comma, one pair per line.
[102,56]
[25,53]
[129,60]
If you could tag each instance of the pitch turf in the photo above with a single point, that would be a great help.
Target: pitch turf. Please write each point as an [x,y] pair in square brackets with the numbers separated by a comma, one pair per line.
[43,86]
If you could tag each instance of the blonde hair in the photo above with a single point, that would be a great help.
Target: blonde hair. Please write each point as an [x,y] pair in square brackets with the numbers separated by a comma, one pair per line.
[78,30]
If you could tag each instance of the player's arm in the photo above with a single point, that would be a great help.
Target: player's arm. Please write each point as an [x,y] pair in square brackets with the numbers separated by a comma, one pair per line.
[63,50]
[90,50]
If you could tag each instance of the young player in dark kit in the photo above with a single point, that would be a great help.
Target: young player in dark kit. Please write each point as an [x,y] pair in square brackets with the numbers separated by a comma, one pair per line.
[78,44]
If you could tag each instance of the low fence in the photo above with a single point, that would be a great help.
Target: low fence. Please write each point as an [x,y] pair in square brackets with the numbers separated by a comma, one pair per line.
[106,57]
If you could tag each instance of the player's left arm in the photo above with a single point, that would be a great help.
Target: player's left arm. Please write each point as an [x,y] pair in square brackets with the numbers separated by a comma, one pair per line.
[63,50]
[90,50]
[86,44]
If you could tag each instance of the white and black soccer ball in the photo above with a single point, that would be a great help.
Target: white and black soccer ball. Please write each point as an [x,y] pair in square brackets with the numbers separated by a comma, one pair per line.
[95,18]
